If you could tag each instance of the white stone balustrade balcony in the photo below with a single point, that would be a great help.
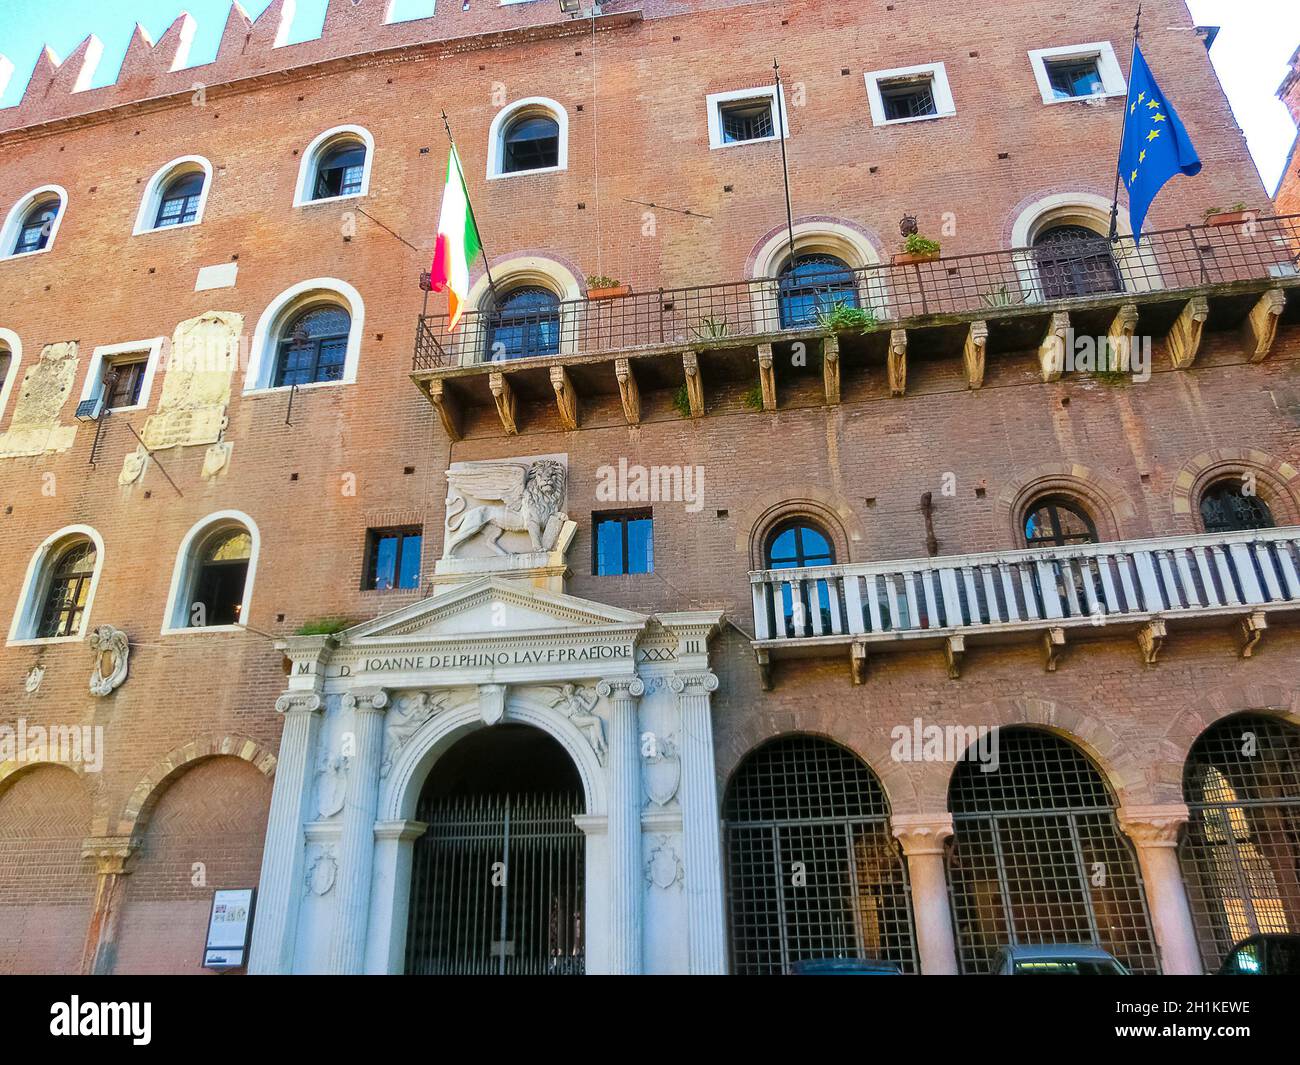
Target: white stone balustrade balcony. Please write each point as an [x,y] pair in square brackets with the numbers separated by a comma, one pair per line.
[1094,590]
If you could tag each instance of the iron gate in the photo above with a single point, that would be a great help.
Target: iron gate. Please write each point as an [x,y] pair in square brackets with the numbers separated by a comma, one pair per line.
[497,886]
[1241,851]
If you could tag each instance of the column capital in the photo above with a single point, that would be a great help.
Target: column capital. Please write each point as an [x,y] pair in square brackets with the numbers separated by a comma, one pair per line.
[111,853]
[292,702]
[366,700]
[921,833]
[1154,825]
[621,687]
[694,683]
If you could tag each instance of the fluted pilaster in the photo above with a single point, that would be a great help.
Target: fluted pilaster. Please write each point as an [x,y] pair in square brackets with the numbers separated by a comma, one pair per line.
[626,889]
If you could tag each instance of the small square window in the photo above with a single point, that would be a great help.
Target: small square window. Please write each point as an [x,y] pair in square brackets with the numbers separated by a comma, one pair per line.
[393,558]
[123,379]
[747,121]
[908,98]
[1077,72]
[909,94]
[1072,79]
[622,542]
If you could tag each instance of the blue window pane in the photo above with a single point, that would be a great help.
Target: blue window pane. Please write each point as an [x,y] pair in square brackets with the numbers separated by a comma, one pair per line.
[640,546]
[385,562]
[408,575]
[609,548]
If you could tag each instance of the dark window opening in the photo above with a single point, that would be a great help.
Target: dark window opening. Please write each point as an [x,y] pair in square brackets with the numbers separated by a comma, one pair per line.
[222,576]
[748,120]
[812,286]
[393,558]
[180,201]
[37,225]
[525,324]
[1074,261]
[623,543]
[1073,78]
[1056,522]
[531,143]
[123,381]
[69,587]
[911,98]
[340,172]
[1225,507]
[314,347]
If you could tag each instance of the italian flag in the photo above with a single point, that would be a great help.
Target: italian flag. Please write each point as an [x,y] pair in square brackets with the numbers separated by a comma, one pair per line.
[458,242]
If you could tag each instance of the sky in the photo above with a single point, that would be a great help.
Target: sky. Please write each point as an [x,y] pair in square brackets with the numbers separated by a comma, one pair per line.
[1257,39]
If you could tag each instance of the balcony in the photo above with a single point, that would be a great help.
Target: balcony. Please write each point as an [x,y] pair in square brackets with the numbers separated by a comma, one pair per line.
[1055,596]
[1174,285]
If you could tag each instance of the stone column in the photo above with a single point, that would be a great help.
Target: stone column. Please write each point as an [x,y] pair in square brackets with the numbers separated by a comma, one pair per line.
[922,837]
[705,927]
[391,895]
[112,854]
[357,842]
[626,889]
[275,923]
[1154,831]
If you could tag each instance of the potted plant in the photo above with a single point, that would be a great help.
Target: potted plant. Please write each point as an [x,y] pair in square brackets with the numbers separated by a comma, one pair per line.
[917,249]
[843,318]
[606,288]
[1233,216]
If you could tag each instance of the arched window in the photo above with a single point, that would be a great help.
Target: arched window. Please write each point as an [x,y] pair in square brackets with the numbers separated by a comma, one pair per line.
[212,583]
[1225,507]
[798,543]
[802,801]
[526,322]
[175,195]
[67,591]
[1053,521]
[812,286]
[1074,261]
[1029,836]
[313,346]
[179,202]
[36,227]
[1241,851]
[530,142]
[336,164]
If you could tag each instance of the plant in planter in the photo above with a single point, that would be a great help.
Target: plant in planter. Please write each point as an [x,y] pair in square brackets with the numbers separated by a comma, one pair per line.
[600,287]
[843,318]
[917,249]
[1232,216]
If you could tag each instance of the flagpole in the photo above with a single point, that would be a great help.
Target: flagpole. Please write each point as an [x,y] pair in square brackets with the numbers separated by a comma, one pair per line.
[469,203]
[785,167]
[1123,130]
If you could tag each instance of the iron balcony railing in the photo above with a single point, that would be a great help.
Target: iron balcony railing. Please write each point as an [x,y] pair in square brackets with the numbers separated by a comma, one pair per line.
[1089,584]
[1059,271]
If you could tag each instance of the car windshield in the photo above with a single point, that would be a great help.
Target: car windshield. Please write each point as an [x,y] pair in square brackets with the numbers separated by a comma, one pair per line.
[1067,967]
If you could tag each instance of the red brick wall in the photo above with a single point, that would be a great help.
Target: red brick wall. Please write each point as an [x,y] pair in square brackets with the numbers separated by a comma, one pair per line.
[1287,198]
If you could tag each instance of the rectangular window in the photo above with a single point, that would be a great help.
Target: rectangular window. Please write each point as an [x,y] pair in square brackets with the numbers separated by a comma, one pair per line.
[747,121]
[622,542]
[123,379]
[1073,78]
[908,98]
[1077,72]
[909,94]
[744,116]
[393,558]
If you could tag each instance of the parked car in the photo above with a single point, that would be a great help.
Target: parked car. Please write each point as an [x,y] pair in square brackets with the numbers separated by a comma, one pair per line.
[1265,954]
[1056,959]
[844,967]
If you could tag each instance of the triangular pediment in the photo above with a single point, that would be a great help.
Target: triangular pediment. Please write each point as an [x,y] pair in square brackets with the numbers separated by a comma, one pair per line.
[492,607]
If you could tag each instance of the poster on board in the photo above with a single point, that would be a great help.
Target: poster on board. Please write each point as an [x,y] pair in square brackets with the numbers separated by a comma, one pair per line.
[230,925]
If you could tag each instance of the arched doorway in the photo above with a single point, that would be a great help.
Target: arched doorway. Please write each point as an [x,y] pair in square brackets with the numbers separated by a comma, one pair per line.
[497,880]
[1037,856]
[812,869]
[1241,852]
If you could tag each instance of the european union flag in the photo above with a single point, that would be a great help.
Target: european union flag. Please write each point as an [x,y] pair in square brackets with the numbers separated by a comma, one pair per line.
[1156,146]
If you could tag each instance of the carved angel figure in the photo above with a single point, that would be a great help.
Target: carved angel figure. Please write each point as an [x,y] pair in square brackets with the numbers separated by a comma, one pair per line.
[111,649]
[578,703]
[529,498]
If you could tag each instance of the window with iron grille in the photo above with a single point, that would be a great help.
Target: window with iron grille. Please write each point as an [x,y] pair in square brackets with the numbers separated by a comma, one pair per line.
[908,98]
[1074,77]
[747,120]
[530,142]
[179,203]
[1225,507]
[34,233]
[393,558]
[622,542]
[67,591]
[812,286]
[812,869]
[1241,851]
[314,347]
[1074,261]
[340,172]
[1029,838]
[526,323]
[123,379]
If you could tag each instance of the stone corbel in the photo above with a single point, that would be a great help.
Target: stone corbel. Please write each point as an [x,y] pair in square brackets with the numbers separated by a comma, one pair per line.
[1119,338]
[897,362]
[628,390]
[858,661]
[1051,351]
[1252,631]
[504,396]
[954,650]
[764,668]
[1260,329]
[767,376]
[566,397]
[974,353]
[1184,339]
[446,406]
[1053,647]
[694,382]
[492,702]
[831,369]
[1151,638]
